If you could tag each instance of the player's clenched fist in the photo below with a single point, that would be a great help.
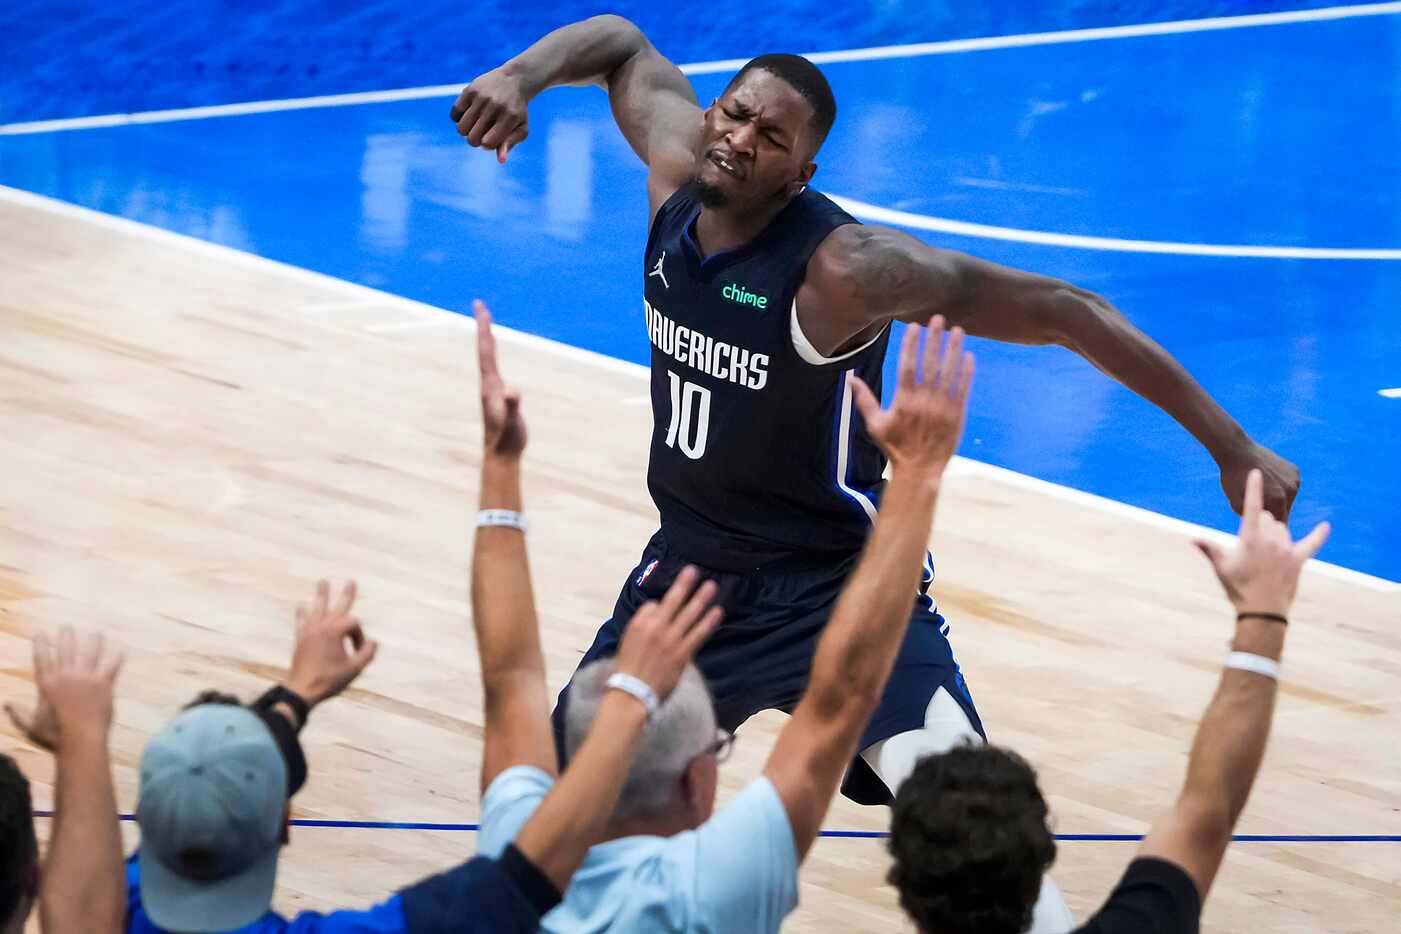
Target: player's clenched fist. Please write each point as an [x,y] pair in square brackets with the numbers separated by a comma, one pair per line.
[924,423]
[491,112]
[1261,573]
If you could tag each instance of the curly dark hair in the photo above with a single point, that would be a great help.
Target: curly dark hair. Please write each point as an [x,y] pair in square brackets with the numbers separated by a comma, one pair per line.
[213,697]
[19,849]
[970,841]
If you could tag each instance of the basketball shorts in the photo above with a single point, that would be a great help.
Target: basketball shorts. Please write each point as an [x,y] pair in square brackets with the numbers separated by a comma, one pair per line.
[761,656]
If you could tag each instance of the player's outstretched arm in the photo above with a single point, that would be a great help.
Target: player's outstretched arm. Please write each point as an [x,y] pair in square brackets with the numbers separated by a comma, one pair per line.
[919,434]
[82,887]
[652,101]
[865,267]
[516,707]
[1260,575]
[659,643]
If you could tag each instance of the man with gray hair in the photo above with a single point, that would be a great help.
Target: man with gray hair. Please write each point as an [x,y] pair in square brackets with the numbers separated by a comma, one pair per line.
[666,860]
[683,725]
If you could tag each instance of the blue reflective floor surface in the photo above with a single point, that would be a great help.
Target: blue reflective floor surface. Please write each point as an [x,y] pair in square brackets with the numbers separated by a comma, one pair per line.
[1283,136]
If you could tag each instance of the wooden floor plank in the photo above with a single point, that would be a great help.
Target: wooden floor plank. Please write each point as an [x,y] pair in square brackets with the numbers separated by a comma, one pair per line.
[190,441]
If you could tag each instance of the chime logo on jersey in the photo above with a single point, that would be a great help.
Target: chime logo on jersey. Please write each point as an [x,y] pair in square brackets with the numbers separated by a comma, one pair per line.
[742,296]
[702,352]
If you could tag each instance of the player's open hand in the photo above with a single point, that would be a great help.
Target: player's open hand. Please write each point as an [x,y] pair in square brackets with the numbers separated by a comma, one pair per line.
[75,679]
[924,423]
[503,427]
[1280,479]
[662,637]
[331,649]
[1261,573]
[491,113]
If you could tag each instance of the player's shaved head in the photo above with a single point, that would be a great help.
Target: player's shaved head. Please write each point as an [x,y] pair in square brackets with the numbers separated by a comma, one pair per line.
[805,78]
[761,135]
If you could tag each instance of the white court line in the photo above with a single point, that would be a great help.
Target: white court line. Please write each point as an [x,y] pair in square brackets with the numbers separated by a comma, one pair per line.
[321,308]
[1390,393]
[567,351]
[915,50]
[872,212]
[393,327]
[227,110]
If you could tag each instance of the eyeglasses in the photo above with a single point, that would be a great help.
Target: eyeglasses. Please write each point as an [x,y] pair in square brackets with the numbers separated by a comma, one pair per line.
[723,745]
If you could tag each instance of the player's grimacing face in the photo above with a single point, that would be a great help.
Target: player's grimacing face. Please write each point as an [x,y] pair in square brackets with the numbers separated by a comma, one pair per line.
[757,142]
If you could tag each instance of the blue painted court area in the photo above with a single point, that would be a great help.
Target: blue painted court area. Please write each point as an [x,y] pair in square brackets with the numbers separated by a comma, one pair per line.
[61,58]
[1279,136]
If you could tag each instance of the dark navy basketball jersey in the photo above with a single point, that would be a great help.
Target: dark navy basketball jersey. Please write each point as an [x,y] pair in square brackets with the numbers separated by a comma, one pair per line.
[758,451]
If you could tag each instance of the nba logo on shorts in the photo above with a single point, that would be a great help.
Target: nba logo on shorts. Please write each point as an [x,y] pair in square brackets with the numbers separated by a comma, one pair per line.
[647,572]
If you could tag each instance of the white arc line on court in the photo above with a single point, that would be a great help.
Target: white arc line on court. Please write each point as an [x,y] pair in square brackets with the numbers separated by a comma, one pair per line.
[915,50]
[319,308]
[1390,393]
[393,327]
[622,367]
[1173,27]
[874,212]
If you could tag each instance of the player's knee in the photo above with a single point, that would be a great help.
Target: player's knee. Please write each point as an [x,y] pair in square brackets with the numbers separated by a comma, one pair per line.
[946,725]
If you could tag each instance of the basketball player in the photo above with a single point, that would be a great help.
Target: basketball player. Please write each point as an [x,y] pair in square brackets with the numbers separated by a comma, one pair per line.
[769,310]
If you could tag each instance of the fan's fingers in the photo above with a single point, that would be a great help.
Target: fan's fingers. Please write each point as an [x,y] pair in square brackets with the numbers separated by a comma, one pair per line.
[909,357]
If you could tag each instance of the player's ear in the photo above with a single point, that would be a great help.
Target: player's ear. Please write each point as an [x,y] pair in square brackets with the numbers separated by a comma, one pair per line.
[804,177]
[698,785]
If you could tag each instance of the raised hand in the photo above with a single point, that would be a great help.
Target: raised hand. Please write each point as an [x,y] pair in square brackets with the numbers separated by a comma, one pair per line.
[75,679]
[331,649]
[1280,479]
[1261,573]
[922,427]
[662,637]
[503,427]
[491,113]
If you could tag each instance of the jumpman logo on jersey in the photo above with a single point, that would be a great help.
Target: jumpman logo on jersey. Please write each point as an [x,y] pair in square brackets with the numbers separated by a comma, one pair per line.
[657,270]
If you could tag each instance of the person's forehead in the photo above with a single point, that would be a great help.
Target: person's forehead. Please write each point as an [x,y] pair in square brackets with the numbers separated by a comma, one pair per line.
[772,97]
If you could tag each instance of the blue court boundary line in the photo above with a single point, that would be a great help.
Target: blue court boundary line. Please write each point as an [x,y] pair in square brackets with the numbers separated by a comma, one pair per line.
[856,834]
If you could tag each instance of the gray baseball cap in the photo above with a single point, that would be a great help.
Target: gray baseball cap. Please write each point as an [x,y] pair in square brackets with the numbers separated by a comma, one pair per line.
[211,805]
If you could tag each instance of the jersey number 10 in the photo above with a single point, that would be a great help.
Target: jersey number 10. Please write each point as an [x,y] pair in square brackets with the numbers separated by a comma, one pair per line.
[690,417]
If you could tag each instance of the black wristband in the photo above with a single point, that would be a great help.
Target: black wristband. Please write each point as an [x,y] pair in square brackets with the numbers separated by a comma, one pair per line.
[279,694]
[1272,617]
[287,744]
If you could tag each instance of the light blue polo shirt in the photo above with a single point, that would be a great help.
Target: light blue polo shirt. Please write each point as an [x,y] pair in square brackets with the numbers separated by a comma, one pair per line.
[737,872]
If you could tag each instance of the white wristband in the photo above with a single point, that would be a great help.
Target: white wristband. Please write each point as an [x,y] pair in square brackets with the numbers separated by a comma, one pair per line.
[506,518]
[1259,664]
[637,688]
